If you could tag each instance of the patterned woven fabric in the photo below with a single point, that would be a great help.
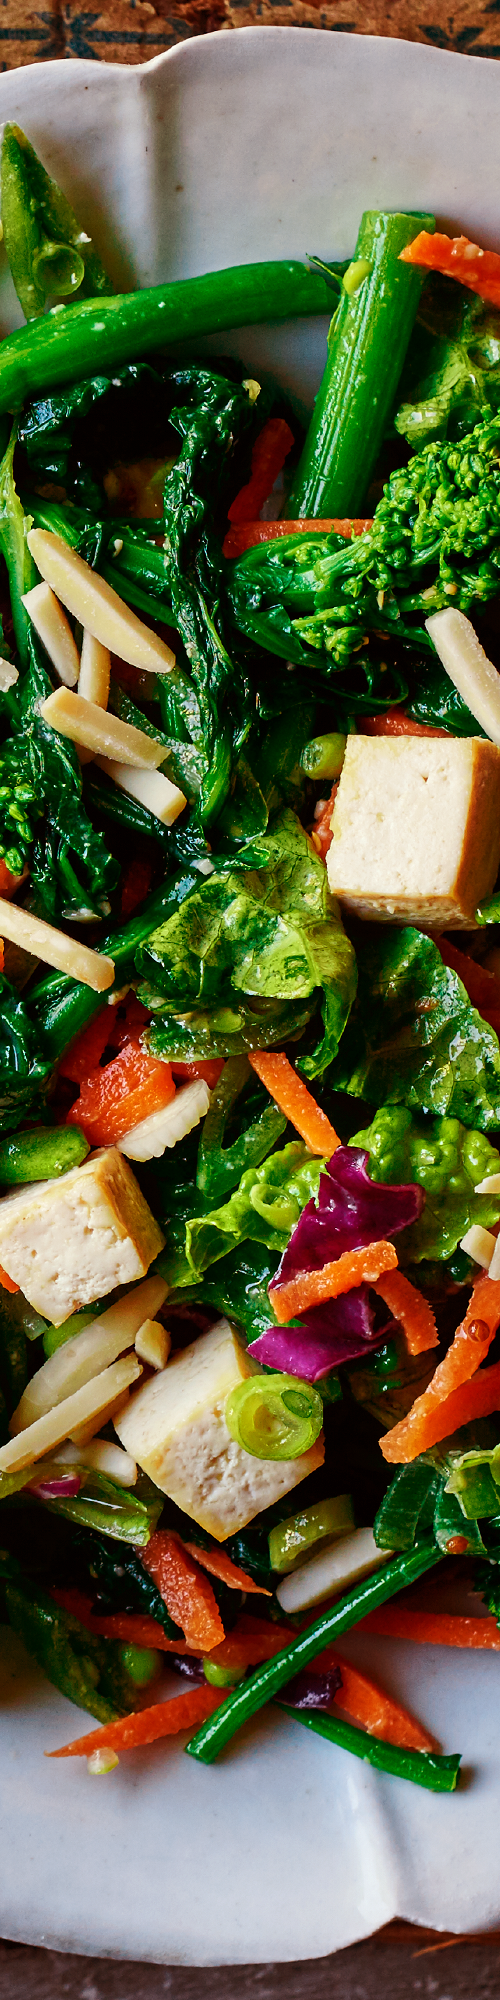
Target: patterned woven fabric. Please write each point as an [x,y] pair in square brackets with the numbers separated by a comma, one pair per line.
[130,31]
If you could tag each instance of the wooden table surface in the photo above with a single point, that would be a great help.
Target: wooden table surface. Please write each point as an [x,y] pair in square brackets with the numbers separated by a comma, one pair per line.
[400,1963]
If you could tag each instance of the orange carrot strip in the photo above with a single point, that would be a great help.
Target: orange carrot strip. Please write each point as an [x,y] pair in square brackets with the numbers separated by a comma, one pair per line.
[457,257]
[132,1732]
[395,723]
[411,1309]
[311,1288]
[85,1053]
[114,1099]
[294,1098]
[434,1628]
[248,534]
[367,1703]
[250,1648]
[416,1432]
[270,450]
[478,1398]
[134,1628]
[219,1564]
[186,1592]
[322,831]
[6,1282]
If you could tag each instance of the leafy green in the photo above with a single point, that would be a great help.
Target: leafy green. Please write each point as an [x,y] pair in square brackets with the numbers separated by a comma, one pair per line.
[448,1161]
[264,1208]
[451,376]
[24,1071]
[14,547]
[413,1037]
[271,935]
[86,1669]
[436,532]
[42,819]
[118,1579]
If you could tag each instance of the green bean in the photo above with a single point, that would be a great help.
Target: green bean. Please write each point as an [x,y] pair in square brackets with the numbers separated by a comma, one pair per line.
[323,756]
[41,1155]
[367,346]
[268,1679]
[69,344]
[422,1767]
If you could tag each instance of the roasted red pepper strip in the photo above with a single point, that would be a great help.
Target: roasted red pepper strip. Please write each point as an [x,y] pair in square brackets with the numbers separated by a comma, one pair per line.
[270,450]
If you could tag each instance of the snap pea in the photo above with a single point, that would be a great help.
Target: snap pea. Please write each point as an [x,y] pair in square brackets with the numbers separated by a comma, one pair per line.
[41,1155]
[93,336]
[368,339]
[323,756]
[422,1767]
[268,1679]
[50,255]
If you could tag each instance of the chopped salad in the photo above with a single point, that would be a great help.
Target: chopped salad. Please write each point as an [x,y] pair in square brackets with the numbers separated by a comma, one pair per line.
[250,984]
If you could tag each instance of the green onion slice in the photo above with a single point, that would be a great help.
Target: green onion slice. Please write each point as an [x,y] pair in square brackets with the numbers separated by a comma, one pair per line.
[274,1416]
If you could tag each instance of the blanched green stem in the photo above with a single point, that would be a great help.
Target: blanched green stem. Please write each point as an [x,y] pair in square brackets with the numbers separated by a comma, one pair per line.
[72,343]
[268,1679]
[422,1767]
[367,347]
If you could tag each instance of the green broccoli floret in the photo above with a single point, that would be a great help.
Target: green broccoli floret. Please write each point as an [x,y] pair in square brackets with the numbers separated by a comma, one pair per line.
[435,540]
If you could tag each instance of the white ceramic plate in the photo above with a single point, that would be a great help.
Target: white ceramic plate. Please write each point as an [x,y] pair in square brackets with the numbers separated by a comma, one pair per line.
[261,143]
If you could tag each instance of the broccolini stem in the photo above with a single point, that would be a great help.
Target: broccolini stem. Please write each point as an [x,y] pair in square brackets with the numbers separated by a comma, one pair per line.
[69,344]
[367,346]
[260,1687]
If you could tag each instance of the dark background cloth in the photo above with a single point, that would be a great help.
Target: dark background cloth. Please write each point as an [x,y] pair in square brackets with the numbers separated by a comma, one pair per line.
[130,31]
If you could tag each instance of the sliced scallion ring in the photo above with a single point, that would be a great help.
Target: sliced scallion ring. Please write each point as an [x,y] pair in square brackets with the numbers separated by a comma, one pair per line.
[274,1416]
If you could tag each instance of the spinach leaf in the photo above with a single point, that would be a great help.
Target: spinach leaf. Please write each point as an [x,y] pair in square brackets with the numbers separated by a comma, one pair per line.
[118,1579]
[448,1161]
[451,375]
[413,1037]
[272,935]
[237,1287]
[24,1072]
[42,818]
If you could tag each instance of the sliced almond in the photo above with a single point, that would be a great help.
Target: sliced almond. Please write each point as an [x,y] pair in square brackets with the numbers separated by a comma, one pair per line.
[85,1354]
[51,623]
[150,788]
[95,668]
[103,734]
[153,1343]
[96,605]
[59,1423]
[44,942]
[464,659]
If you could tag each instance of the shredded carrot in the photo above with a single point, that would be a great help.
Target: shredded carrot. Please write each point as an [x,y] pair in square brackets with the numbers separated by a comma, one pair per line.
[251,1642]
[482,986]
[6,1282]
[396,723]
[219,1564]
[411,1309]
[322,831]
[313,1288]
[434,1628]
[457,257]
[166,1718]
[368,1704]
[477,1398]
[2,954]
[114,1099]
[135,884]
[281,1080]
[270,450]
[85,1053]
[248,534]
[186,1592]
[135,1629]
[416,1432]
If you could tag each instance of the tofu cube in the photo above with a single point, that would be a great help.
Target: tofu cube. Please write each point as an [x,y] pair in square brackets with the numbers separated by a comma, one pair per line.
[71,1240]
[416,829]
[174,1426]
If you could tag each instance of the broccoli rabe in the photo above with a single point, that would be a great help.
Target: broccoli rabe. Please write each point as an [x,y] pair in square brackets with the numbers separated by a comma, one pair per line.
[434,540]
